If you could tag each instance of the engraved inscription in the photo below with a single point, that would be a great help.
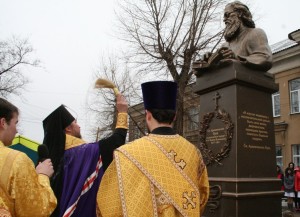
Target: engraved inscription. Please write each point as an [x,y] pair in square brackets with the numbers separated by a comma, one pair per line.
[256,130]
[216,136]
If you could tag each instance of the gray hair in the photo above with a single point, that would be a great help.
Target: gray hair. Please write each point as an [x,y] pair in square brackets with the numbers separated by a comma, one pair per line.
[244,13]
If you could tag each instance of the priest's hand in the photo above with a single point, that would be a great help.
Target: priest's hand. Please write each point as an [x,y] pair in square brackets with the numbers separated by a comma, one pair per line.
[45,168]
[122,105]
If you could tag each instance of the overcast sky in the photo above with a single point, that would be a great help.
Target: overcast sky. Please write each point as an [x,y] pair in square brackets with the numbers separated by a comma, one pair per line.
[71,36]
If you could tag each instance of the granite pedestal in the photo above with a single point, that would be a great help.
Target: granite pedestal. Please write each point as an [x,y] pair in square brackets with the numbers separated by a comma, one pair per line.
[237,142]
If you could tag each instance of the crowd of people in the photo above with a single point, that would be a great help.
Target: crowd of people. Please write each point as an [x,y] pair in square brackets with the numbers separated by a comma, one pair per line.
[290,184]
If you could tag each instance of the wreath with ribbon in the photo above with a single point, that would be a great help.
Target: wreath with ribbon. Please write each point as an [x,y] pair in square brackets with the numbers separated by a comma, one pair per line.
[210,157]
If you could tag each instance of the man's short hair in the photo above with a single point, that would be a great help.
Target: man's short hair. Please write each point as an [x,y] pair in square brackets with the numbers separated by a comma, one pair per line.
[163,116]
[245,13]
[7,110]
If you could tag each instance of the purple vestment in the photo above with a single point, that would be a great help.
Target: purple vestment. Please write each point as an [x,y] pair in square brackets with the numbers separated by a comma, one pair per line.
[80,162]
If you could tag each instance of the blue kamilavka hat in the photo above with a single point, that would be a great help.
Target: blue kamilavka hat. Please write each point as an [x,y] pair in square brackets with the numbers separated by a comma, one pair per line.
[159,95]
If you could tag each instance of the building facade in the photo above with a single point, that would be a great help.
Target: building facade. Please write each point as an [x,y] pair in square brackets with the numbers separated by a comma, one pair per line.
[286,102]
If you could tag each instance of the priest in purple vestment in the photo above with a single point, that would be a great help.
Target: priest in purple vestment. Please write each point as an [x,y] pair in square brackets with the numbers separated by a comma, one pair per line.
[79,166]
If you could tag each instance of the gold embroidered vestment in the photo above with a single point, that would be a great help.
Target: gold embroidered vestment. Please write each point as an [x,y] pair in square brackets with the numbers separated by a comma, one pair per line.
[22,191]
[156,175]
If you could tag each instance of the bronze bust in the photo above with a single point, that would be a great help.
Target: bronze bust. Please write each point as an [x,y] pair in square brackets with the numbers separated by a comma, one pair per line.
[244,43]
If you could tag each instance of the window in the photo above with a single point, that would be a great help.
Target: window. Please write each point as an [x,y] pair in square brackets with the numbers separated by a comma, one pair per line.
[279,161]
[193,118]
[276,104]
[295,95]
[296,154]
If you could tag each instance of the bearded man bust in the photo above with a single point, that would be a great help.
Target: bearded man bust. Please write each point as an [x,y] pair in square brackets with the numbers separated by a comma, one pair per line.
[244,42]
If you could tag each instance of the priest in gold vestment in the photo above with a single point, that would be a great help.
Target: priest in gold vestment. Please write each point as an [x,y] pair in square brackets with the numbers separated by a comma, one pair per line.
[24,190]
[161,174]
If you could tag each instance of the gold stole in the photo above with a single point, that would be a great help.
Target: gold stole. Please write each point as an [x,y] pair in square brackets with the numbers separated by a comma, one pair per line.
[139,174]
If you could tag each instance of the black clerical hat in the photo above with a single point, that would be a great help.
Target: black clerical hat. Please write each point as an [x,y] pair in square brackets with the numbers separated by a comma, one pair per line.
[159,95]
[58,120]
[55,138]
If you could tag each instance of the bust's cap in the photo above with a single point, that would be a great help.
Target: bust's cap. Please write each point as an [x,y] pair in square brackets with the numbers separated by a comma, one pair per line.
[159,95]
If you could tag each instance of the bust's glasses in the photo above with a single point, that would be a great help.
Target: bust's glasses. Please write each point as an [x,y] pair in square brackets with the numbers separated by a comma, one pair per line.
[228,14]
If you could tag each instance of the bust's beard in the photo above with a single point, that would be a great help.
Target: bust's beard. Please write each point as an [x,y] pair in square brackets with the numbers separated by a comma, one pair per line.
[231,31]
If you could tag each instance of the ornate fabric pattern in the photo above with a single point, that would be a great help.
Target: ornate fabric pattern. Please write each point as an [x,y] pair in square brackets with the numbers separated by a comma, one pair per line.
[122,121]
[109,195]
[4,213]
[3,207]
[26,193]
[72,142]
[143,165]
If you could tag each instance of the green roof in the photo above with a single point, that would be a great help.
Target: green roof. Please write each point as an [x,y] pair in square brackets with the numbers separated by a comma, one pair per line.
[27,146]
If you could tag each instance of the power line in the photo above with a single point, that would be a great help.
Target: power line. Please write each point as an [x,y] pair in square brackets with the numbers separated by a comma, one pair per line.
[31,121]
[56,93]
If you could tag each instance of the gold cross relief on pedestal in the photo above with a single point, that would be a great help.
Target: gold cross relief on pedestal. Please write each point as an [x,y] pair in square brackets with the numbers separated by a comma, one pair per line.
[180,163]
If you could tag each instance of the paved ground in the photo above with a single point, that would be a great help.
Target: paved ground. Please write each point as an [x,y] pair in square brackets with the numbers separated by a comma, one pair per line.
[284,208]
[295,214]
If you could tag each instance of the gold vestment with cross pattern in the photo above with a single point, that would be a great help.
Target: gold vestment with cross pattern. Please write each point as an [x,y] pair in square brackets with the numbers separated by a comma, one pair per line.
[157,175]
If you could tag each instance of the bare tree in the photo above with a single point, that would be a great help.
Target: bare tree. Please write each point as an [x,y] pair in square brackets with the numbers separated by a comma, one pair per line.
[102,105]
[14,54]
[165,37]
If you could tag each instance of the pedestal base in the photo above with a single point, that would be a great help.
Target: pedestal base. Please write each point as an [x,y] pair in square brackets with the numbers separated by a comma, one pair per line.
[237,142]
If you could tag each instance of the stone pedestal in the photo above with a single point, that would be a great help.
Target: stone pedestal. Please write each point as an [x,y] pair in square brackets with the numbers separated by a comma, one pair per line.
[237,142]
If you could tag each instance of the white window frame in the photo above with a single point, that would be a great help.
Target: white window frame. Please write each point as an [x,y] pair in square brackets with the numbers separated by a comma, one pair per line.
[295,100]
[279,158]
[296,154]
[276,104]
